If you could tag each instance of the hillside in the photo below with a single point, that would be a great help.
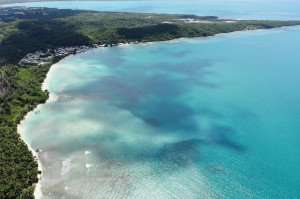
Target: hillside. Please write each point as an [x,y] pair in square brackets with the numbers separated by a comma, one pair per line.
[26,30]
[24,1]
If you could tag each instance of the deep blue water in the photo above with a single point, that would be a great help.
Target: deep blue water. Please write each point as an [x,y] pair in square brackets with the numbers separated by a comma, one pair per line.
[192,118]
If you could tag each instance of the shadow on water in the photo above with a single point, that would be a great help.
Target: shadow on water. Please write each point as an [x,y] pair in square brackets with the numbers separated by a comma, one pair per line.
[155,94]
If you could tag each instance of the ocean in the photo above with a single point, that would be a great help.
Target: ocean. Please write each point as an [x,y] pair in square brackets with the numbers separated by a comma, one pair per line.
[202,118]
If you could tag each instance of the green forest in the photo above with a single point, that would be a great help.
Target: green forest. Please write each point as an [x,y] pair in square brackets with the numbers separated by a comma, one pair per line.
[18,168]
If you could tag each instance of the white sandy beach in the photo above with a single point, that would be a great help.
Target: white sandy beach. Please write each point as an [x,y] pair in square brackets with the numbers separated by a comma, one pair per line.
[38,189]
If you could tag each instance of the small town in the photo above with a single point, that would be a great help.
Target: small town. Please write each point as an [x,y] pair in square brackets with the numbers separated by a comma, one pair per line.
[40,58]
[46,57]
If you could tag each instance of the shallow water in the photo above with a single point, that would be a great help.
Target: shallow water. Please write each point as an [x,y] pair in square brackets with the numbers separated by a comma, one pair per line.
[183,119]
[192,118]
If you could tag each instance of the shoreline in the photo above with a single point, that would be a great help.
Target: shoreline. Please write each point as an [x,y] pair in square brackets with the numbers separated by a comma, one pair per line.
[35,58]
[38,194]
[44,86]
[20,129]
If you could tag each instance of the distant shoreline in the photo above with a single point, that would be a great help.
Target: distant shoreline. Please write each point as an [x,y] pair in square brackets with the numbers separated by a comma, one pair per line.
[81,49]
[7,2]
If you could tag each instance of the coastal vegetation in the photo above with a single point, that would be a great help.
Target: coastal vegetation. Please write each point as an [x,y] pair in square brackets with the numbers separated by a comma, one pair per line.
[20,93]
[31,30]
[26,30]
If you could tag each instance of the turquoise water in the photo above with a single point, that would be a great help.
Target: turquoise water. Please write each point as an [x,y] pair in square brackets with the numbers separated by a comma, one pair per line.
[212,118]
[199,118]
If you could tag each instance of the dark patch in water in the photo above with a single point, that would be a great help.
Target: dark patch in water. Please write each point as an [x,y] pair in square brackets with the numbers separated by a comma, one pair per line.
[180,154]
[156,94]
[222,136]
